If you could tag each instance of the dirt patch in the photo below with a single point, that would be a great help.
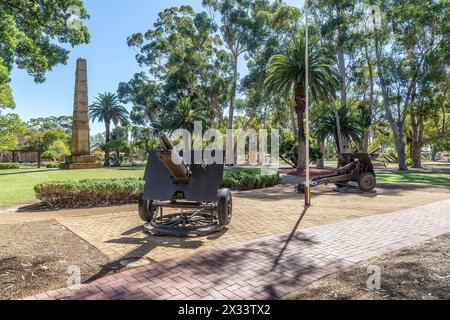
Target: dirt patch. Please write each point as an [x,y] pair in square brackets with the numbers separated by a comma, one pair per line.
[34,258]
[417,273]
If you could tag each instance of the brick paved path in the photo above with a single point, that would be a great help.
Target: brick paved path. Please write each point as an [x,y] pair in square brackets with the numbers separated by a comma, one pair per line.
[273,266]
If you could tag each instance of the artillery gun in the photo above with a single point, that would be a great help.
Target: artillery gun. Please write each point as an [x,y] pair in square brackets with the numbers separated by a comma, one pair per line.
[193,190]
[356,168]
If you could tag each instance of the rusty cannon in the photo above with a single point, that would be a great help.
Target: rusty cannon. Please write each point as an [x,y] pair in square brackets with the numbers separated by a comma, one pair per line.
[190,192]
[355,170]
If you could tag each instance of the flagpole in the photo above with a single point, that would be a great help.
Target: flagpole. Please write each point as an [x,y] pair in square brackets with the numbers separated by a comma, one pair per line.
[308,184]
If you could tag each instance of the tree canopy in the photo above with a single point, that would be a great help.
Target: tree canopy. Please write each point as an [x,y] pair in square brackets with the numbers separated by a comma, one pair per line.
[31,36]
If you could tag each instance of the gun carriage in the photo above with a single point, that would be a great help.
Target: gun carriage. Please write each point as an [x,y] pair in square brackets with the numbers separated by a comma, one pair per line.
[193,190]
[354,169]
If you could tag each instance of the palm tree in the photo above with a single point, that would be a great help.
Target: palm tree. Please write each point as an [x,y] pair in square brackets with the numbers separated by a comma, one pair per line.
[186,113]
[105,109]
[286,76]
[351,129]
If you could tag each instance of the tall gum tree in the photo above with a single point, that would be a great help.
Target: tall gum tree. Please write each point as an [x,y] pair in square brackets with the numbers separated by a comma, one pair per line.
[184,57]
[337,22]
[411,33]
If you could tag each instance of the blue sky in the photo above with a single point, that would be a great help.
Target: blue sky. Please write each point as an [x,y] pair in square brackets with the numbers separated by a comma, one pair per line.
[110,60]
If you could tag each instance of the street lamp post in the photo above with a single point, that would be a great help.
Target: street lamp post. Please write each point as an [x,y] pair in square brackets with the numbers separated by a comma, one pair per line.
[308,184]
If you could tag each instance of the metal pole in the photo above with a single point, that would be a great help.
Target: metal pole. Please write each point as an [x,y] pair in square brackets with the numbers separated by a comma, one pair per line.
[308,185]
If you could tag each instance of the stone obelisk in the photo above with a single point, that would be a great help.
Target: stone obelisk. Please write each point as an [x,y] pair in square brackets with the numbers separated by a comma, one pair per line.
[81,157]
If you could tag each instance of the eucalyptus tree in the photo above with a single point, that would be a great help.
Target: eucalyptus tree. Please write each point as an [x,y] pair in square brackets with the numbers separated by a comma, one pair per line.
[147,100]
[410,35]
[286,77]
[338,23]
[429,119]
[184,56]
[251,30]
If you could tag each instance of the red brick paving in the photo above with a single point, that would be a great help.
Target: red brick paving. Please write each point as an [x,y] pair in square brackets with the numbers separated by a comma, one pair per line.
[271,267]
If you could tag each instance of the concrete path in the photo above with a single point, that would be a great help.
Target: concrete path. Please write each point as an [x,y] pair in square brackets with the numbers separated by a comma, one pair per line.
[271,267]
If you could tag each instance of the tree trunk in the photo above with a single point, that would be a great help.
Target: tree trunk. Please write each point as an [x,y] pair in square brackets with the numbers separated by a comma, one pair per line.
[293,121]
[328,153]
[117,158]
[300,107]
[343,97]
[321,146]
[364,147]
[336,113]
[107,138]
[399,141]
[301,164]
[233,92]
[417,127]
[416,155]
[364,144]
[397,127]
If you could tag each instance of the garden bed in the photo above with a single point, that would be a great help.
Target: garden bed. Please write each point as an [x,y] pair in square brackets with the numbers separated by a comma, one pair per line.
[35,257]
[107,192]
[89,193]
[248,179]
[9,166]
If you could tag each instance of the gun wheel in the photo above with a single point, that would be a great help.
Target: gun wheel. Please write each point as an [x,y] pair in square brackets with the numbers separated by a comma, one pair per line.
[224,207]
[146,209]
[367,181]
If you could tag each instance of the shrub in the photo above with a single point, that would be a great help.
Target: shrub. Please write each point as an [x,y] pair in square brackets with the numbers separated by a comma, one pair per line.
[52,165]
[248,179]
[89,193]
[5,166]
[409,162]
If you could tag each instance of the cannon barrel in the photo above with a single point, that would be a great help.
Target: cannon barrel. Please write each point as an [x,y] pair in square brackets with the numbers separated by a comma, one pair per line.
[375,152]
[179,171]
[165,142]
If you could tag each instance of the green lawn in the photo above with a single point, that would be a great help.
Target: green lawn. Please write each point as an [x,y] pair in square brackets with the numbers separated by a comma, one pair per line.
[17,186]
[436,179]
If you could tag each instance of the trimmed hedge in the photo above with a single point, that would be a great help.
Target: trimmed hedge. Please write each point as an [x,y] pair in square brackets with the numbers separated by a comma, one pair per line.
[104,192]
[6,166]
[53,165]
[89,193]
[248,179]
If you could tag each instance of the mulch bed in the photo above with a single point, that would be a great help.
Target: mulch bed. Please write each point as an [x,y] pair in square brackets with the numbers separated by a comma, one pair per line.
[417,273]
[34,258]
